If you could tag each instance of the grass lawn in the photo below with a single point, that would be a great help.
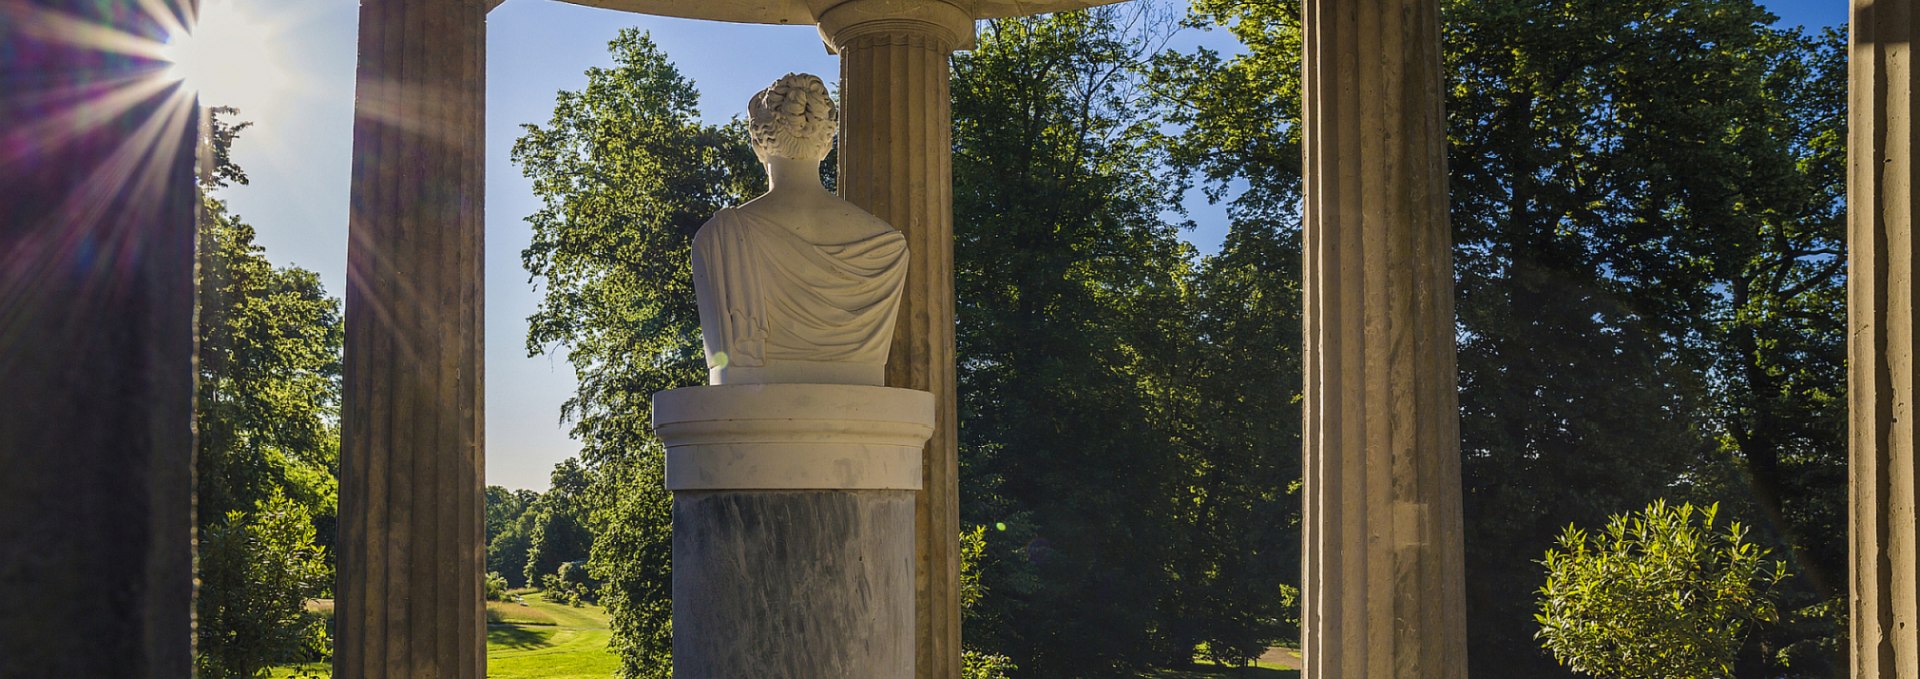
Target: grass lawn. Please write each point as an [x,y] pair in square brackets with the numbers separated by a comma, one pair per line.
[1206,671]
[1278,662]
[539,640]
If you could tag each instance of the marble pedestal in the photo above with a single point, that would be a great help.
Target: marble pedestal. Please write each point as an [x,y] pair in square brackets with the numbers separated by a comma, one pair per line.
[793,517]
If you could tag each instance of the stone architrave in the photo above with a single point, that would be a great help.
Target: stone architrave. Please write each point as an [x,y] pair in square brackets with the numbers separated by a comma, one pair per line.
[1882,468]
[409,594]
[793,473]
[1384,585]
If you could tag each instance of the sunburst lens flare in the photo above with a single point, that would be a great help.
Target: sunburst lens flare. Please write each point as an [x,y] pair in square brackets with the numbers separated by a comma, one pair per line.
[230,57]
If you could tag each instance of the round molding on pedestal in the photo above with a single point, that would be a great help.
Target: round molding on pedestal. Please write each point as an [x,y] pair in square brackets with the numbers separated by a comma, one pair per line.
[793,436]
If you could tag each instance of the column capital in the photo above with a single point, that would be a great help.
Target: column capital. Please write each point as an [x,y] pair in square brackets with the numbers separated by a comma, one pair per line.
[947,24]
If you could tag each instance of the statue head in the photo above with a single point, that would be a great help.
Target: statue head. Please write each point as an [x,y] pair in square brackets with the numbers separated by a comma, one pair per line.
[793,118]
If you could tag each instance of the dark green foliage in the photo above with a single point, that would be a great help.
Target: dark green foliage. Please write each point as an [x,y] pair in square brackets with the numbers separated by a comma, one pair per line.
[505,507]
[1619,175]
[1074,322]
[558,538]
[510,523]
[256,570]
[559,524]
[496,587]
[1645,200]
[572,584]
[1655,595]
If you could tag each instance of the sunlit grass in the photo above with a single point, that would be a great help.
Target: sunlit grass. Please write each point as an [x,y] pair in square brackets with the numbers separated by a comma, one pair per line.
[538,640]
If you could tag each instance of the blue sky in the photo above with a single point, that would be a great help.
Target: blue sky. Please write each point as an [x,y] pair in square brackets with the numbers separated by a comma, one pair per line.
[297,155]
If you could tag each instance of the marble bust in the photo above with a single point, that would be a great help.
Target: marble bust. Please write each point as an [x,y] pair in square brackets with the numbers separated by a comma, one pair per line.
[797,286]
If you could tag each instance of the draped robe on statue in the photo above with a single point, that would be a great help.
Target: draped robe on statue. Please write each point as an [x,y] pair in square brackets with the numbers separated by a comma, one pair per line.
[775,307]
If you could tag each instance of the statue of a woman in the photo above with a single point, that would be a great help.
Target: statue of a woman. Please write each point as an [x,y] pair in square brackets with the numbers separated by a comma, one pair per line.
[797,286]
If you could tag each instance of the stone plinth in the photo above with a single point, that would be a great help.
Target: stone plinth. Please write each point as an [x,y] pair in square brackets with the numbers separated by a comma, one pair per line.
[793,510]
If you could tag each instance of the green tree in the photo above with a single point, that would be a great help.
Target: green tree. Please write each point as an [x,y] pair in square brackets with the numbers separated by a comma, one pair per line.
[1656,595]
[559,526]
[256,570]
[626,174]
[268,444]
[1778,350]
[1069,286]
[510,524]
[1616,174]
[1645,200]
[504,507]
[1238,122]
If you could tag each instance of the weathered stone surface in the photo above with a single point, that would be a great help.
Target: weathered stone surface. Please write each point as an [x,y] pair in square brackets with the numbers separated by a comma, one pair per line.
[409,579]
[793,584]
[1883,471]
[896,161]
[97,215]
[1384,585]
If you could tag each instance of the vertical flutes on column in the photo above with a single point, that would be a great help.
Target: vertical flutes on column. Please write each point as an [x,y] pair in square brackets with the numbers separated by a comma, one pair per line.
[896,162]
[1882,469]
[1384,588]
[409,592]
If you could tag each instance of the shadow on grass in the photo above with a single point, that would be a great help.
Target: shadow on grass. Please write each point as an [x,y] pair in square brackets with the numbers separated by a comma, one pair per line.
[1212,672]
[518,638]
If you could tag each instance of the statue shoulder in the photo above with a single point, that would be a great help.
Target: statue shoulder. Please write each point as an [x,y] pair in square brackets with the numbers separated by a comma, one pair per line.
[865,224]
[821,222]
[727,219]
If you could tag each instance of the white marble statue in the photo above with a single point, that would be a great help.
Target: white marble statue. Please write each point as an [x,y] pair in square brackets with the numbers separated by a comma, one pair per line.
[797,286]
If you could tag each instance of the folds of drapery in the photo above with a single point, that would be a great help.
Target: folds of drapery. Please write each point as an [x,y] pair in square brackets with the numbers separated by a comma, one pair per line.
[765,293]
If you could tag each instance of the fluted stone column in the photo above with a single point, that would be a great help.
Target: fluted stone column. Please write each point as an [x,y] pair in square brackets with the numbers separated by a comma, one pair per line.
[1384,585]
[896,155]
[409,588]
[1881,466]
[97,216]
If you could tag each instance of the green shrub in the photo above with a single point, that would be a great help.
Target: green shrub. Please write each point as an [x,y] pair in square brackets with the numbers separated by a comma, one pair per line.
[572,585]
[256,571]
[1660,594]
[496,587]
[979,665]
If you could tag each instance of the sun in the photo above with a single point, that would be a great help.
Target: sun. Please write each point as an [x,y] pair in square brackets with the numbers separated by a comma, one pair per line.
[231,58]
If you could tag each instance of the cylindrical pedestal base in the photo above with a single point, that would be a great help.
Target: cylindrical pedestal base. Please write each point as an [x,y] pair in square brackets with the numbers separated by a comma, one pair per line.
[793,516]
[793,583]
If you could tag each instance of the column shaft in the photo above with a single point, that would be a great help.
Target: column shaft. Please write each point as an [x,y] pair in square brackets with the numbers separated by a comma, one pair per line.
[896,162]
[409,585]
[1384,587]
[97,217]
[1881,341]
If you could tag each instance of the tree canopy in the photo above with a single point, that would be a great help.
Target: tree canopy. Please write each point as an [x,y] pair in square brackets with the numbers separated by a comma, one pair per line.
[1646,202]
[267,464]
